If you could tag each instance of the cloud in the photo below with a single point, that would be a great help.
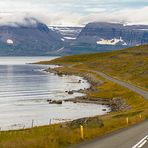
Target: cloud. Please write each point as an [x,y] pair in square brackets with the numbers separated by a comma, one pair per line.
[95,10]
[127,16]
[74,12]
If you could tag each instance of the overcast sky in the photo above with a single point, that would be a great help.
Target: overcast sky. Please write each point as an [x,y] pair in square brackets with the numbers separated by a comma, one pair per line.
[74,12]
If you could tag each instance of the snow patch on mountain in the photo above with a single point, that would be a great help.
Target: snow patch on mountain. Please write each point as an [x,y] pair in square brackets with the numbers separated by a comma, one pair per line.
[69,38]
[62,39]
[9,41]
[68,33]
[113,41]
[60,49]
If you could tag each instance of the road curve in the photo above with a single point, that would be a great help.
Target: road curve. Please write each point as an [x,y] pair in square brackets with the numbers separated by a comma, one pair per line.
[138,90]
[125,138]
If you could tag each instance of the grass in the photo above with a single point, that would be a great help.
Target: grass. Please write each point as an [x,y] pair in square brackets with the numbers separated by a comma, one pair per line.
[130,65]
[61,136]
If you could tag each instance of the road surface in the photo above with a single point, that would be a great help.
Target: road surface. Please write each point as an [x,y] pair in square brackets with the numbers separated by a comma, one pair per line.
[138,90]
[131,137]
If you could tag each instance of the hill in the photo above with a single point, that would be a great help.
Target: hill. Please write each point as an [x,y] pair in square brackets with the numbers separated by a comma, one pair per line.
[135,106]
[102,36]
[32,38]
[130,65]
[35,38]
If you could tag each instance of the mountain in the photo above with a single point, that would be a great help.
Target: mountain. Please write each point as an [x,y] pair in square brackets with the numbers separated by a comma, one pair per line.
[129,64]
[100,37]
[34,38]
[29,39]
[114,34]
[69,34]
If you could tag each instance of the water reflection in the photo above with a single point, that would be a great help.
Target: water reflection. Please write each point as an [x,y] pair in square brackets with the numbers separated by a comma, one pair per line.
[24,90]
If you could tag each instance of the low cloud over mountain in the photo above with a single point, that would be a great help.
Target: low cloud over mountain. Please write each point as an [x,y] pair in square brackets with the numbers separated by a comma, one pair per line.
[73,13]
[35,38]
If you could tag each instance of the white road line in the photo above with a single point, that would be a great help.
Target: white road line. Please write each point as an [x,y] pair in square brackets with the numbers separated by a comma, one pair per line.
[141,142]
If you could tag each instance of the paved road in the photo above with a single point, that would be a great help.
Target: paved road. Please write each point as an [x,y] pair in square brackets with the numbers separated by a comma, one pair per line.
[145,146]
[138,90]
[125,138]
[142,143]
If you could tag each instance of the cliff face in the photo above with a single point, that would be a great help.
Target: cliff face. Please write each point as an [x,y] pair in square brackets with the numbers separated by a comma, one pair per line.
[31,39]
[113,34]
[37,39]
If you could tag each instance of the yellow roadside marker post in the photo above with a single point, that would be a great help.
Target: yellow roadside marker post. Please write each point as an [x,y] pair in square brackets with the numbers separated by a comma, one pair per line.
[82,132]
[140,116]
[127,120]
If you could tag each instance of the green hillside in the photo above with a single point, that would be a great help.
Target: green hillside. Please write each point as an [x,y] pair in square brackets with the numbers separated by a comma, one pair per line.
[130,64]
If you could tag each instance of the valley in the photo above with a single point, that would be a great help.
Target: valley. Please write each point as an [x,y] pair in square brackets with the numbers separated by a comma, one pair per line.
[38,39]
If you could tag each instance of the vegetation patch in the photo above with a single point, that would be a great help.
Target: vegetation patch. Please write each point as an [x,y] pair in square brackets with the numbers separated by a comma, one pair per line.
[129,65]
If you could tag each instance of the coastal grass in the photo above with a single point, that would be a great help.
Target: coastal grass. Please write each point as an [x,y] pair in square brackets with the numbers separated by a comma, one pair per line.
[56,136]
[130,65]
[61,136]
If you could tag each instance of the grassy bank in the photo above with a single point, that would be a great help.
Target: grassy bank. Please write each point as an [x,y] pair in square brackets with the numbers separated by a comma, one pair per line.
[63,135]
[130,65]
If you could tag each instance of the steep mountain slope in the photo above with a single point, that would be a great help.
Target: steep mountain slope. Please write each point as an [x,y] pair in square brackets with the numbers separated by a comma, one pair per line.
[108,36]
[31,39]
[113,34]
[69,33]
[35,38]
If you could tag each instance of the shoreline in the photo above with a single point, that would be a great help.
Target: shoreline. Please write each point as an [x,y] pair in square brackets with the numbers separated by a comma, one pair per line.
[64,100]
[115,104]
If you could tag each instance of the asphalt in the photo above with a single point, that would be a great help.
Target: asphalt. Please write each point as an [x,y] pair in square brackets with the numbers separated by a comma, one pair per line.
[145,146]
[138,90]
[125,138]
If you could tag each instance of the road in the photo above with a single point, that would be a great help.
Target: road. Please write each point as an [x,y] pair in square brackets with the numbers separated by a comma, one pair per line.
[138,90]
[133,137]
[125,138]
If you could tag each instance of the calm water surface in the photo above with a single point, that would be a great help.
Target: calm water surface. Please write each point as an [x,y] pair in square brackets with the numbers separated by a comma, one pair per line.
[25,88]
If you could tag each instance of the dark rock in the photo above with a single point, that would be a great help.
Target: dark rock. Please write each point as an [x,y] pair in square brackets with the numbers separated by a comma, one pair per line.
[70,92]
[60,74]
[49,100]
[103,109]
[87,122]
[119,104]
[55,102]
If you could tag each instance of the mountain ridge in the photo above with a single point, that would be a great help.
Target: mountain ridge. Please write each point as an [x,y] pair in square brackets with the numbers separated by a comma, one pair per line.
[35,38]
[29,39]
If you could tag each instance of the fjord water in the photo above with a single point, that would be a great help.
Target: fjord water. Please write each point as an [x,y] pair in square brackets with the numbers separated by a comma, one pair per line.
[25,88]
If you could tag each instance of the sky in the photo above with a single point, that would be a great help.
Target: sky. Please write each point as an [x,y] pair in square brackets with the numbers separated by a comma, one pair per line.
[74,12]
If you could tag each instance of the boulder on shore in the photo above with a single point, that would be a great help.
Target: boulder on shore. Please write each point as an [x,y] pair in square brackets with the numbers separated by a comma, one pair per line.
[54,101]
[70,92]
[87,122]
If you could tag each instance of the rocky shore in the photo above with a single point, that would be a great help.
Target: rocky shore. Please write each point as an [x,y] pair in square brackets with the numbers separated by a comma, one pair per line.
[116,104]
